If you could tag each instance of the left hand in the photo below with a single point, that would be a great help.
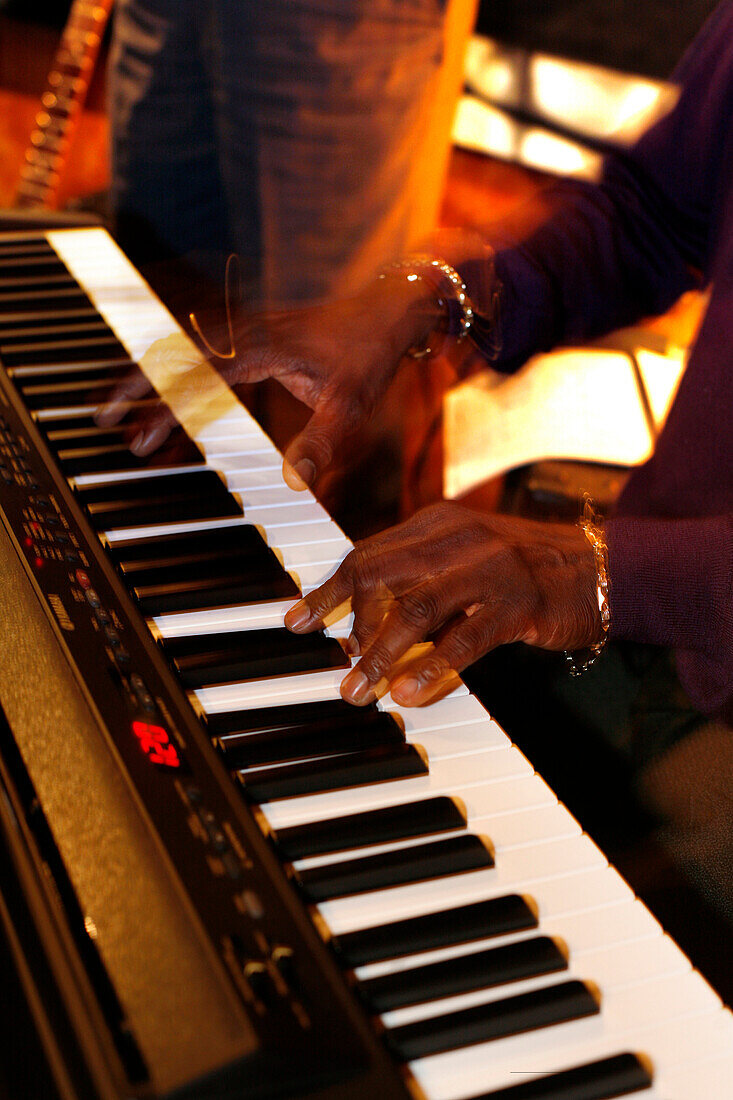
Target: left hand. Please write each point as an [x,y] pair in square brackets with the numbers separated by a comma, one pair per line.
[480,580]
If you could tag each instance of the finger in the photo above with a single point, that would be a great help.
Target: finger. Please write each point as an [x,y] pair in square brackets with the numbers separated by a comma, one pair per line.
[310,612]
[370,609]
[469,638]
[153,428]
[131,388]
[313,450]
[414,616]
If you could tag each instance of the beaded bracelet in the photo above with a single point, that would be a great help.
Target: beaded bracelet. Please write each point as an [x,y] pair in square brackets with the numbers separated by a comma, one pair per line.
[451,291]
[592,527]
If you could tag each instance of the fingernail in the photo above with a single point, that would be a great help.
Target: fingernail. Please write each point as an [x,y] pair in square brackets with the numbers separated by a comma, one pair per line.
[298,616]
[355,688]
[405,691]
[136,444]
[300,476]
[106,415]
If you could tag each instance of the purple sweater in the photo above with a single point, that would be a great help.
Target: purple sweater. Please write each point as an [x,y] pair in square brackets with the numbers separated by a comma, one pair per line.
[660,222]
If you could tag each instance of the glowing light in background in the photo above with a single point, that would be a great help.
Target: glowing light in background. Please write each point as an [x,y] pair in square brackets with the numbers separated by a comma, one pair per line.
[587,101]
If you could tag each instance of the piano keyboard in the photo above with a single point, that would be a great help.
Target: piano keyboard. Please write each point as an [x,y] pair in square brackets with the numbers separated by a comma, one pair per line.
[495,950]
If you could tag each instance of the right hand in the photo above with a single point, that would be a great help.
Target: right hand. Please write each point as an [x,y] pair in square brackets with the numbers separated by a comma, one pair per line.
[337,358]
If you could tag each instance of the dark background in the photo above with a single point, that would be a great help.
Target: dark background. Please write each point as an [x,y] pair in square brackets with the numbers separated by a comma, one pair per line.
[643,36]
[637,36]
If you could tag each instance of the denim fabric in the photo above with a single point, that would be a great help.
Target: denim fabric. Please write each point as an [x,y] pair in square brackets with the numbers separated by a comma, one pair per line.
[299,133]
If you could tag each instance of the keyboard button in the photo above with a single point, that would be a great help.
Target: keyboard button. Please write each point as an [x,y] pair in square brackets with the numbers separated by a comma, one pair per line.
[335,773]
[602,1080]
[412,819]
[496,917]
[483,969]
[178,497]
[541,1008]
[395,868]
[251,654]
[296,738]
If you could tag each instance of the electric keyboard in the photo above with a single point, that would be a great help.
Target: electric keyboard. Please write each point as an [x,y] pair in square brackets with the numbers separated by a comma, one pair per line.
[221,880]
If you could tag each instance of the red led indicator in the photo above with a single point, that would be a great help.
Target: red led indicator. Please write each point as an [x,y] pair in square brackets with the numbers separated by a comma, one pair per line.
[28,541]
[38,563]
[156,744]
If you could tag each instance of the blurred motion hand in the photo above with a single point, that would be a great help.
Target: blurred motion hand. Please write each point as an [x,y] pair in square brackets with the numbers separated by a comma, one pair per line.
[337,358]
[479,580]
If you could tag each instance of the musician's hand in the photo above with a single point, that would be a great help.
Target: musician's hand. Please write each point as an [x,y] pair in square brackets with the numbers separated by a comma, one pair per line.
[476,580]
[338,358]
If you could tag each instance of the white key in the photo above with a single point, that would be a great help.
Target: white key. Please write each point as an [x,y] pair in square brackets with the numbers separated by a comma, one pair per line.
[526,826]
[265,496]
[279,691]
[310,577]
[609,968]
[451,711]
[622,921]
[713,1078]
[216,620]
[328,553]
[512,874]
[161,530]
[236,443]
[626,1015]
[277,515]
[264,467]
[447,776]
[298,533]
[82,480]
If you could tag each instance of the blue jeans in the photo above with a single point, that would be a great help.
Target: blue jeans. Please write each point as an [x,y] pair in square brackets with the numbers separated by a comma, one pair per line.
[308,136]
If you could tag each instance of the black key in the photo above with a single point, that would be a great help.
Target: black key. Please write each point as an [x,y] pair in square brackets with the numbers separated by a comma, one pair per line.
[68,376]
[554,1004]
[202,595]
[396,868]
[92,390]
[14,270]
[51,421]
[241,541]
[169,566]
[178,498]
[225,591]
[318,716]
[118,456]
[47,320]
[30,244]
[276,734]
[204,569]
[602,1080]
[411,819]
[482,920]
[497,966]
[43,283]
[90,435]
[74,375]
[20,302]
[66,329]
[62,350]
[251,654]
[335,773]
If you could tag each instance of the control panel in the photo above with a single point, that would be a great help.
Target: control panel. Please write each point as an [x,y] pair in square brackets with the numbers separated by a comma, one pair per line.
[224,863]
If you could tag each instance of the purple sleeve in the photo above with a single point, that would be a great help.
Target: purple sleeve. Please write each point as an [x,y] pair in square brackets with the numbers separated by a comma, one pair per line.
[672,585]
[629,246]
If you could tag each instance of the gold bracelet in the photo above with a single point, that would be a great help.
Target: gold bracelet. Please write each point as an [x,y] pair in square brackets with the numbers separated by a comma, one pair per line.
[592,527]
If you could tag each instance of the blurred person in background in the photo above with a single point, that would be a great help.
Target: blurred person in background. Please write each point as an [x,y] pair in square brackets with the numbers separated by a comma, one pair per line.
[641,605]
[308,137]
